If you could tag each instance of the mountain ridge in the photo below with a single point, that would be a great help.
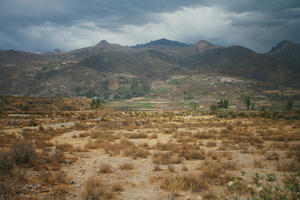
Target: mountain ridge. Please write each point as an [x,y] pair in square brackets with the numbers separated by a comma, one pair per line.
[93,70]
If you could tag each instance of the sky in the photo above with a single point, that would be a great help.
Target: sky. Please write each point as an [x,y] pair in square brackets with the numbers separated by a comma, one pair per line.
[42,25]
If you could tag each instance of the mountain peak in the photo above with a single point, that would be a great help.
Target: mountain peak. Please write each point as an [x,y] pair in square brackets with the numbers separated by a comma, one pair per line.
[162,42]
[203,44]
[286,51]
[103,42]
[283,45]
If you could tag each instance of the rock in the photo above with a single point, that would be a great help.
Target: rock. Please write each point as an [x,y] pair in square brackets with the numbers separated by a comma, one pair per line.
[72,182]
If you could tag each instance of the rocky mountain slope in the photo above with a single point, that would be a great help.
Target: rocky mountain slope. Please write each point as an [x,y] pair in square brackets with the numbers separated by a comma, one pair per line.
[111,70]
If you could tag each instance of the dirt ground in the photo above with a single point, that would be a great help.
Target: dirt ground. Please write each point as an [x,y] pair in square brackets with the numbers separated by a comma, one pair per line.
[154,155]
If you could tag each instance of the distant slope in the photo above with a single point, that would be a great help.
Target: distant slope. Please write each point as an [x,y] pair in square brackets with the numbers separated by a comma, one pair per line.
[286,51]
[112,70]
[163,43]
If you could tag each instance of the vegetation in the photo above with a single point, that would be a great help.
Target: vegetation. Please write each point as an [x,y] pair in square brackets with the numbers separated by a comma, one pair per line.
[113,154]
[223,103]
[290,105]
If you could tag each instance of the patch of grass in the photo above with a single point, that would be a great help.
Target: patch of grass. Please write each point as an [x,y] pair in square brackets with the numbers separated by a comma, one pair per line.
[105,168]
[166,159]
[189,182]
[96,189]
[126,166]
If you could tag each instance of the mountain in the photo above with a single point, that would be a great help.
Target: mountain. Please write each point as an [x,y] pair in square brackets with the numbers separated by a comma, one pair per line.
[286,51]
[111,70]
[163,43]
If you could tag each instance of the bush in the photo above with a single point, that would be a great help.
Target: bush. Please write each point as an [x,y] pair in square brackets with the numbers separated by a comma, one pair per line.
[23,153]
[266,187]
[188,182]
[6,162]
[95,189]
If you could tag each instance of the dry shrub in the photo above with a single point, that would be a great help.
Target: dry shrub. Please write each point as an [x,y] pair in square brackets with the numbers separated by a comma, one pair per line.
[157,168]
[58,157]
[45,145]
[192,155]
[91,145]
[105,168]
[211,144]
[189,182]
[116,149]
[117,187]
[64,147]
[279,145]
[230,165]
[137,135]
[290,166]
[104,135]
[272,156]
[23,154]
[258,163]
[211,169]
[6,162]
[96,189]
[84,134]
[171,168]
[170,146]
[203,135]
[126,166]
[213,155]
[165,159]
[60,191]
[53,178]
[184,168]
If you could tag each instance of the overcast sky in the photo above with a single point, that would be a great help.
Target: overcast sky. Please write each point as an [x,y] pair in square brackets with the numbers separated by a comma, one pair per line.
[40,25]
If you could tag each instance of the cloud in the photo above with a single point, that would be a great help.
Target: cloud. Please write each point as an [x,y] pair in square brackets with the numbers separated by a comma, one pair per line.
[68,24]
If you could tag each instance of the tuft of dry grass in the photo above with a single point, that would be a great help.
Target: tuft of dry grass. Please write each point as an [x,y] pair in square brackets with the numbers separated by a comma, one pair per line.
[289,166]
[65,147]
[192,155]
[211,144]
[211,169]
[189,182]
[126,166]
[258,163]
[96,189]
[165,159]
[137,136]
[105,168]
[157,167]
[117,187]
[171,168]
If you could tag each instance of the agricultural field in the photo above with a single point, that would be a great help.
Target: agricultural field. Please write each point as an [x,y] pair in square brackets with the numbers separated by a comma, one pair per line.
[144,152]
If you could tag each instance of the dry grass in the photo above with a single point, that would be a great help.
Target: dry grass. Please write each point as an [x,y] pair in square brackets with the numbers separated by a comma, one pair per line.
[211,144]
[189,182]
[126,166]
[288,166]
[96,189]
[214,145]
[193,155]
[117,187]
[105,168]
[166,159]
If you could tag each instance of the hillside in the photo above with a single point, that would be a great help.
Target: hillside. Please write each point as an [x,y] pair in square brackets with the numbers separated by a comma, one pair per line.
[114,71]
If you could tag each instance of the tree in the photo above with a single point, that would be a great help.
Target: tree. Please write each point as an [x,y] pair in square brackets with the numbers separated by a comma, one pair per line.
[290,105]
[247,102]
[95,103]
[223,103]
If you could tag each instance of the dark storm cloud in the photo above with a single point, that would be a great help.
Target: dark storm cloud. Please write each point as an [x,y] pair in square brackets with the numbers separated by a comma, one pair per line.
[41,25]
